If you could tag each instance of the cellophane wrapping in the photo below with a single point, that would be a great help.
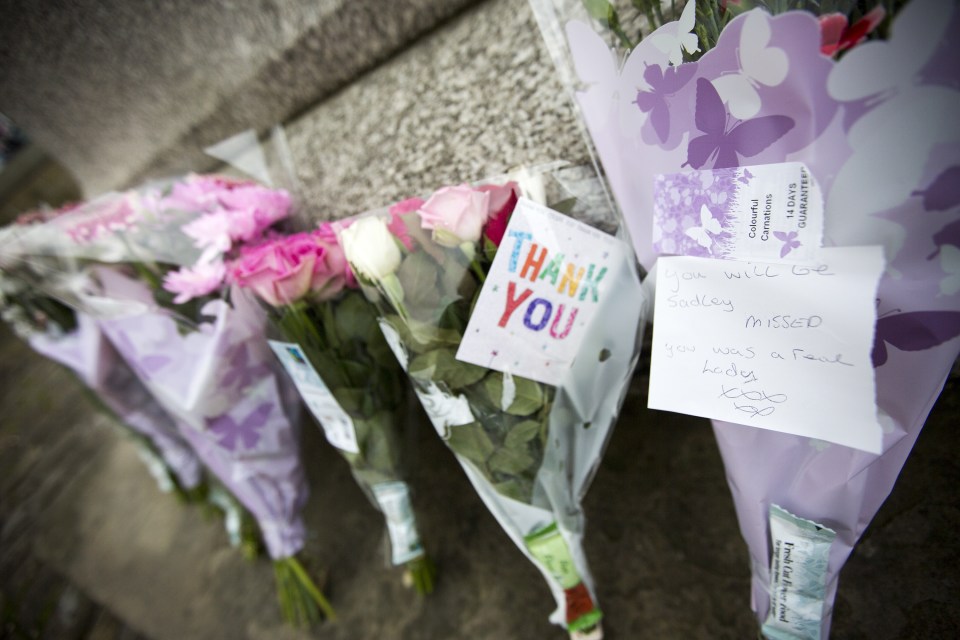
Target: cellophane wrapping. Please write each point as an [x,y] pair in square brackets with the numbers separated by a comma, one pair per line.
[877,130]
[529,448]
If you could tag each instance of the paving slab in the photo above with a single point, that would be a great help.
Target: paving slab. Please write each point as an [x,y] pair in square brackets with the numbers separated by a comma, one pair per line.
[662,535]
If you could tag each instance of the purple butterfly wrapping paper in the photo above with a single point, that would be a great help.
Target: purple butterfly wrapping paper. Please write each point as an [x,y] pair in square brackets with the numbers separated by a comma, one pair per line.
[218,381]
[90,356]
[879,132]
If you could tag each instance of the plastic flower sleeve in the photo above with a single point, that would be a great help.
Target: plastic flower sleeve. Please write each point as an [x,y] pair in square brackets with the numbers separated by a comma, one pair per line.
[327,338]
[90,356]
[529,447]
[877,131]
[219,382]
[201,351]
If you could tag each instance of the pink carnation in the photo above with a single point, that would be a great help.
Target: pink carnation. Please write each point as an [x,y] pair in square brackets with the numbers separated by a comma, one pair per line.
[211,230]
[109,213]
[196,281]
[230,211]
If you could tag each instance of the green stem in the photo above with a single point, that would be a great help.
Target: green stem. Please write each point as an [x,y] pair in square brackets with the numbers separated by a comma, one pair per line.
[311,588]
[477,271]
[423,572]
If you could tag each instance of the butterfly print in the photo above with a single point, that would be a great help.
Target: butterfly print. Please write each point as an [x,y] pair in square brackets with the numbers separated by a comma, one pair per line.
[746,139]
[759,65]
[949,235]
[674,38]
[789,240]
[914,331]
[246,433]
[943,193]
[708,225]
[662,84]
[240,373]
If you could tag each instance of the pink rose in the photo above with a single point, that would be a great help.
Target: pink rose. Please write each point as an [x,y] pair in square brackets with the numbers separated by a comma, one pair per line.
[196,193]
[284,270]
[455,214]
[334,261]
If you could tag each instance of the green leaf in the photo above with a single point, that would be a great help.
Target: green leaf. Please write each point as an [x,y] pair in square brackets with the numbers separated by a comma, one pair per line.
[441,365]
[564,206]
[380,452]
[514,488]
[418,275]
[522,433]
[528,397]
[489,249]
[350,400]
[510,461]
[356,318]
[471,442]
[420,336]
[452,278]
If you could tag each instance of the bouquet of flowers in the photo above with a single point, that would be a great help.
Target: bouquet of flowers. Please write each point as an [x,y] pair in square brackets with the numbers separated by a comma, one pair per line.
[74,340]
[156,260]
[523,387]
[333,349]
[734,94]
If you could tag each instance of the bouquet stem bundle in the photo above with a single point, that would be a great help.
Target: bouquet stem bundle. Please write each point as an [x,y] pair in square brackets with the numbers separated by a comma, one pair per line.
[333,349]
[528,447]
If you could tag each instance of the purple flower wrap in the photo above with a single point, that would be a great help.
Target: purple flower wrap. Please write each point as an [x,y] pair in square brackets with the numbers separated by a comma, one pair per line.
[219,381]
[88,354]
[879,133]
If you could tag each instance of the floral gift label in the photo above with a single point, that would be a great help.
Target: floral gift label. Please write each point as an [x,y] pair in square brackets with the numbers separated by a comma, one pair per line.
[336,423]
[768,212]
[541,294]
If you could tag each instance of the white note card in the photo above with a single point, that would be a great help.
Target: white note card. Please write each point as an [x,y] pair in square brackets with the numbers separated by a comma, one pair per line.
[775,346]
[337,424]
[543,290]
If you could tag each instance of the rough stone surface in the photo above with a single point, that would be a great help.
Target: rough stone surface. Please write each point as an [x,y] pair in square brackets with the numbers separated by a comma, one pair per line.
[111,88]
[475,99]
[88,546]
[662,537]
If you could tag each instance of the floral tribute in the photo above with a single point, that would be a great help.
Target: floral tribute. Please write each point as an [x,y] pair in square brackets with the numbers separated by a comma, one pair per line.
[149,266]
[867,101]
[335,352]
[74,339]
[424,262]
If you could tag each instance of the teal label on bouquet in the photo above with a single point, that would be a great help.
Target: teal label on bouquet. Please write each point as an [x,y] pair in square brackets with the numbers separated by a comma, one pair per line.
[337,424]
[771,212]
[542,292]
[394,501]
[798,576]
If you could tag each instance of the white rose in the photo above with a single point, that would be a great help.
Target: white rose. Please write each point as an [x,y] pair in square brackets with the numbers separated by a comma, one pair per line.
[370,248]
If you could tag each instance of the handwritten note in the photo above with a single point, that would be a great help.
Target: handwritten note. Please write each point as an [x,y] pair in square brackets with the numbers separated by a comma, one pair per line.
[775,346]
[541,293]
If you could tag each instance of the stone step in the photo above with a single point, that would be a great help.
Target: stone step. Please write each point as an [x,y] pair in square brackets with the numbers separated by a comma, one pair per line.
[111,88]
